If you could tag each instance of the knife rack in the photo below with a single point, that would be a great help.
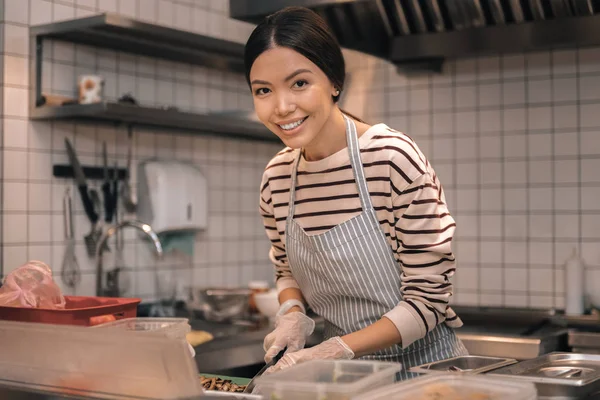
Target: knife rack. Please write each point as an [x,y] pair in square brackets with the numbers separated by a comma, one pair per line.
[91,173]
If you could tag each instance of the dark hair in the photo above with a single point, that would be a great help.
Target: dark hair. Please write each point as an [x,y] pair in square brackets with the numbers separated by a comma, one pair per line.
[305,32]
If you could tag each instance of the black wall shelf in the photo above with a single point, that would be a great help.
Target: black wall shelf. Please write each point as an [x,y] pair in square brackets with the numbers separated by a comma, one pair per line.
[151,117]
[115,32]
[124,34]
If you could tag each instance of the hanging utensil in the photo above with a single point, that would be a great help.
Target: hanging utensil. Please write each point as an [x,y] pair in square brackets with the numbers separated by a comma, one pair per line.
[126,192]
[108,194]
[107,189]
[88,199]
[70,273]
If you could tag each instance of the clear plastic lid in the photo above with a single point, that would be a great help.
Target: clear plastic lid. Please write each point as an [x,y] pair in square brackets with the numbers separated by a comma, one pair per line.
[170,327]
[452,386]
[331,379]
[213,395]
[101,363]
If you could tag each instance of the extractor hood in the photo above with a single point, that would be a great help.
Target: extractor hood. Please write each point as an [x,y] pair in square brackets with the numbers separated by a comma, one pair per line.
[423,33]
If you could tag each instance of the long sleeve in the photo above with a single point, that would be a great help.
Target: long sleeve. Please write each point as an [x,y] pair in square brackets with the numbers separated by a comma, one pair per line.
[277,254]
[424,229]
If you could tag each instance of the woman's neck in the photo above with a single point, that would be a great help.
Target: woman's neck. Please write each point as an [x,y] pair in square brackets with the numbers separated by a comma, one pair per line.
[330,140]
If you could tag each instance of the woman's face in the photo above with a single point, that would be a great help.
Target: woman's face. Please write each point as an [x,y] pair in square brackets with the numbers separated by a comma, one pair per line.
[292,96]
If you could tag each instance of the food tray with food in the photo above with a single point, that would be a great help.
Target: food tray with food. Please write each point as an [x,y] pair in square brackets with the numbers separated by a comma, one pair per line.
[226,387]
[79,310]
[223,383]
[327,379]
[452,386]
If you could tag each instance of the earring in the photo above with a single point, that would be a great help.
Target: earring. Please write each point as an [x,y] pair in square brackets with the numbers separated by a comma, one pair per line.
[337,92]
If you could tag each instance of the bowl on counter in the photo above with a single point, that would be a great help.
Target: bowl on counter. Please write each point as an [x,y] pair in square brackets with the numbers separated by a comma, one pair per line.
[267,303]
[219,304]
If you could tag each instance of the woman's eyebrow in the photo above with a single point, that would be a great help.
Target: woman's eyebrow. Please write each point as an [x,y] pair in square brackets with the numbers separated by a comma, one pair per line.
[297,72]
[290,76]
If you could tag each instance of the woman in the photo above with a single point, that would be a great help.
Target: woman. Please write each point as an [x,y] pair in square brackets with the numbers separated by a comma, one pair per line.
[356,214]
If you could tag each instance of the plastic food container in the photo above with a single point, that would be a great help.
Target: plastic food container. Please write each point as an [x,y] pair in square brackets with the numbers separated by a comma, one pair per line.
[452,386]
[79,310]
[327,379]
[213,395]
[175,328]
[169,327]
[97,363]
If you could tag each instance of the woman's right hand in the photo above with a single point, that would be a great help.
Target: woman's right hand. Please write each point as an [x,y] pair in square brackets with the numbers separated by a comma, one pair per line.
[291,331]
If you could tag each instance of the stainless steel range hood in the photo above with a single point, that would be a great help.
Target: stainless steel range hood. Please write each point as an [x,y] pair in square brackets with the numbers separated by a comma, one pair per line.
[423,33]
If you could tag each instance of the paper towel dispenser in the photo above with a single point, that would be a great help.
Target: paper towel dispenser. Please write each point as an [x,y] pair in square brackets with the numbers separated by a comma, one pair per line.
[172,196]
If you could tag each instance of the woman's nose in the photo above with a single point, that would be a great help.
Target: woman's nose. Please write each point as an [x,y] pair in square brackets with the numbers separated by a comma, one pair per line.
[285,105]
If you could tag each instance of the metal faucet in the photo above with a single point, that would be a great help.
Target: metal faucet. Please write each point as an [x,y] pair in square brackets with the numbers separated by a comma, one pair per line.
[147,229]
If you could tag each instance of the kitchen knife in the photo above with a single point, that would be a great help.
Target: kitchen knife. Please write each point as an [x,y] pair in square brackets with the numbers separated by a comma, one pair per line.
[88,205]
[252,384]
[106,189]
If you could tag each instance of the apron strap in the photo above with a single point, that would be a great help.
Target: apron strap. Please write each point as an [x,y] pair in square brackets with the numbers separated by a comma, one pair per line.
[357,170]
[357,167]
[292,204]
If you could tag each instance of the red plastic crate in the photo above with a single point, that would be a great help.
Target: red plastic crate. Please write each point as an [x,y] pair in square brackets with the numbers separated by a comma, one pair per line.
[79,310]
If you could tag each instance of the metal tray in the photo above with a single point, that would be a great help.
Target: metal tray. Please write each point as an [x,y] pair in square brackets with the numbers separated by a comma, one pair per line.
[466,364]
[564,375]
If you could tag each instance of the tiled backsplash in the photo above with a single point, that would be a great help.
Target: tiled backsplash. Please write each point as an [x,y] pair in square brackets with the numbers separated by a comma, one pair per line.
[513,138]
[234,248]
[515,141]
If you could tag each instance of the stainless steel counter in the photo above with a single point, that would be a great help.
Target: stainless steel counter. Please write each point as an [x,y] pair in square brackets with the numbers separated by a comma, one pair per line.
[513,333]
[239,348]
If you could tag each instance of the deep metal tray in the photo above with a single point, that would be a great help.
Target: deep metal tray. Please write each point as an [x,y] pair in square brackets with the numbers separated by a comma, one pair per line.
[558,375]
[466,364]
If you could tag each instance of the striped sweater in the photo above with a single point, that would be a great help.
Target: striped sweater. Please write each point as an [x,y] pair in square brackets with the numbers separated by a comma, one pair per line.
[410,206]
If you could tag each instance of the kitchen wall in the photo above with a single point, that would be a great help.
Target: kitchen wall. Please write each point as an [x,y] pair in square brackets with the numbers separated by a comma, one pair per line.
[234,248]
[514,140]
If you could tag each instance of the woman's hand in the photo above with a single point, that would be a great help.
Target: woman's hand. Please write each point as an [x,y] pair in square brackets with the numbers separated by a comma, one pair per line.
[291,331]
[331,349]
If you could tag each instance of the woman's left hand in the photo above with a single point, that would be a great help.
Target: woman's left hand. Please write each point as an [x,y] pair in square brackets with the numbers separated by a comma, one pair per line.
[331,349]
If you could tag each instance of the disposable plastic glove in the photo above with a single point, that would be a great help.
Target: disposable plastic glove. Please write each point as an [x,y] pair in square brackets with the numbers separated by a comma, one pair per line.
[291,330]
[331,349]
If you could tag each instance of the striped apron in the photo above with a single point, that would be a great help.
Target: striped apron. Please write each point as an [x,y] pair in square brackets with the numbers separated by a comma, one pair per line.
[349,276]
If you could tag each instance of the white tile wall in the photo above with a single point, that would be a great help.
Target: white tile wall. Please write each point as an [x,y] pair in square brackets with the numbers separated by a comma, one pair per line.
[233,250]
[515,140]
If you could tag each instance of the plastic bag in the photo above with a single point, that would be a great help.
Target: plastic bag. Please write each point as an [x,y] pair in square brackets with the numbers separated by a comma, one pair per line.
[31,285]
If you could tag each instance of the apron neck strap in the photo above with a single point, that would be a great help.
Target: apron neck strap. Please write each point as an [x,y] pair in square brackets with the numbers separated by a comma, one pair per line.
[355,162]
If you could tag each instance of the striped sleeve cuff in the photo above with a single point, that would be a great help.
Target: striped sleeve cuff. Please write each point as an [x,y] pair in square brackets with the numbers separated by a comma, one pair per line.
[409,326]
[286,282]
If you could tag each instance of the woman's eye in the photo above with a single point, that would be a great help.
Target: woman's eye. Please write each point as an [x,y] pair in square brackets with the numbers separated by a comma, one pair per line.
[300,83]
[261,91]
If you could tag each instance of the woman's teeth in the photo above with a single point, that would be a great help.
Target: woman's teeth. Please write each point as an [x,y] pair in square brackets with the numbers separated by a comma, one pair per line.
[293,125]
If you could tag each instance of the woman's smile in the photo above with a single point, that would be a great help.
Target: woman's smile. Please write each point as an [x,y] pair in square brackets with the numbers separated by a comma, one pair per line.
[291,128]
